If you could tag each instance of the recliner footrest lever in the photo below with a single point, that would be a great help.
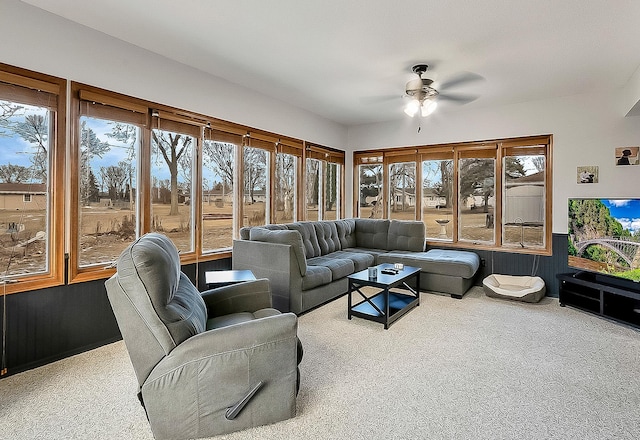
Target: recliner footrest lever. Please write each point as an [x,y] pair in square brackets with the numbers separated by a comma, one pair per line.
[233,411]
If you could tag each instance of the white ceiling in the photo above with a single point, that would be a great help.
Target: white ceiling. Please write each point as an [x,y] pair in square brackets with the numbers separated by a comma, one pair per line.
[348,60]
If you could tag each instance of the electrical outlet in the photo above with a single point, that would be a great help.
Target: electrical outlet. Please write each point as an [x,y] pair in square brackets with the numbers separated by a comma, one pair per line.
[483,263]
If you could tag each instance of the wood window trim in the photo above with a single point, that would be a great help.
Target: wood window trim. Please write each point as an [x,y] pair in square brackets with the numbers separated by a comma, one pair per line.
[495,149]
[56,213]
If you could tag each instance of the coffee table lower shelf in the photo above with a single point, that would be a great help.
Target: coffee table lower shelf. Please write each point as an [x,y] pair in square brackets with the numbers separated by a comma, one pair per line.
[399,304]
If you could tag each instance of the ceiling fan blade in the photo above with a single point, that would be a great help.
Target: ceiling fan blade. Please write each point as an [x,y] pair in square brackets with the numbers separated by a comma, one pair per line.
[459,98]
[460,79]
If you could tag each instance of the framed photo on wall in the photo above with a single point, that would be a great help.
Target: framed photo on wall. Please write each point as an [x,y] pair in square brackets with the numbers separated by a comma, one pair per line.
[627,155]
[587,174]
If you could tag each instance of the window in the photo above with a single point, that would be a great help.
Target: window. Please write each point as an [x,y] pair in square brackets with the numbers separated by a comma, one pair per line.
[323,182]
[437,194]
[402,189]
[107,197]
[218,189]
[489,195]
[285,188]
[31,166]
[331,201]
[313,194]
[172,181]
[476,195]
[255,197]
[370,200]
[524,196]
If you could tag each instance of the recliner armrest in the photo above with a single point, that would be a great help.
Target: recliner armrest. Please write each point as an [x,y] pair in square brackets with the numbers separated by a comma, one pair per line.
[248,296]
[191,390]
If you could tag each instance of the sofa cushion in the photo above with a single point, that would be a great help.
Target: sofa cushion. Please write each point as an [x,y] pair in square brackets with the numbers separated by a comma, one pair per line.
[463,264]
[340,267]
[327,235]
[361,260]
[316,276]
[375,253]
[309,237]
[406,235]
[371,233]
[346,232]
[291,238]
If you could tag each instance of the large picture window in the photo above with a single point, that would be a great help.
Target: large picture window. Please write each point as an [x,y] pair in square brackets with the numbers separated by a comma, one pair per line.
[31,167]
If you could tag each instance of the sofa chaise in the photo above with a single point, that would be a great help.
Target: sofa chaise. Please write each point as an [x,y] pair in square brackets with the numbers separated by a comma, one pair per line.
[308,263]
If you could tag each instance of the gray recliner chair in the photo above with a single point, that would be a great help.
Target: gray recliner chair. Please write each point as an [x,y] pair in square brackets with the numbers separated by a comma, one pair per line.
[207,363]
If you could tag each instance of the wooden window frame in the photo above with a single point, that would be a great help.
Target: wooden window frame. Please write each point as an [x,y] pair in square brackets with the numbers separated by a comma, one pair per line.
[497,149]
[29,83]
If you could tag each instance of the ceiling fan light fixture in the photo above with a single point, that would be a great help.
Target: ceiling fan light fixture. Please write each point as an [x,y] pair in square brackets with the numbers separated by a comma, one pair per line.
[427,107]
[412,107]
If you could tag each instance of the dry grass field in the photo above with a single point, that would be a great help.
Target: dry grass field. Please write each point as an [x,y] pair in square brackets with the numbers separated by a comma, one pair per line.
[106,231]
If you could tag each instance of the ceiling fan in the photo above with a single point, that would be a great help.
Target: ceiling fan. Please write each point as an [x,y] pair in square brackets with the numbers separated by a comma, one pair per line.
[425,97]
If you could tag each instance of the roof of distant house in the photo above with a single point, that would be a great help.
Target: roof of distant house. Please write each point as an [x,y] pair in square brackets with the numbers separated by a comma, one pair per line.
[23,188]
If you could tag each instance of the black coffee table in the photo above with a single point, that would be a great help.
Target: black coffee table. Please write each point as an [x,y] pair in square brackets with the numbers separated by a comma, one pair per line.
[386,305]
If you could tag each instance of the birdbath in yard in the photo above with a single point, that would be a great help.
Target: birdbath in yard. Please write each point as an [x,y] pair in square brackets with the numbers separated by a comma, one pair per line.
[443,230]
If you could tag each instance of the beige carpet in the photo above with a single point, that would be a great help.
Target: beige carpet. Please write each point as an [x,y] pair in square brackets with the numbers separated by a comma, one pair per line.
[476,368]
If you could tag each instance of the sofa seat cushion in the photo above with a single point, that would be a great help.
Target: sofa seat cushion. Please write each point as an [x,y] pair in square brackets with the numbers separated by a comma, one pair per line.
[373,252]
[238,318]
[361,260]
[340,267]
[316,276]
[439,261]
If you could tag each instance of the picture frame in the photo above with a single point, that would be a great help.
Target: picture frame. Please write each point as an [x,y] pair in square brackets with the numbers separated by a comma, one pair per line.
[627,155]
[587,174]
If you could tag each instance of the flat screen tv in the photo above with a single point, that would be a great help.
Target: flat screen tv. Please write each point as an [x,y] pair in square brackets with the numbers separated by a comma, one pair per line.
[604,237]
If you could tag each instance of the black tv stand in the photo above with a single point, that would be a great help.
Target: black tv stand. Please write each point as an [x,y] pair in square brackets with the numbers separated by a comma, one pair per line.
[595,294]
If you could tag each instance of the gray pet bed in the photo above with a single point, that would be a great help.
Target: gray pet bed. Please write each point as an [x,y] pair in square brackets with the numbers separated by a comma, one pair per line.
[517,288]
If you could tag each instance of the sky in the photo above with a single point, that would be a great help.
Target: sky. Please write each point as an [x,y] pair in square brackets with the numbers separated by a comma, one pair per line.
[626,211]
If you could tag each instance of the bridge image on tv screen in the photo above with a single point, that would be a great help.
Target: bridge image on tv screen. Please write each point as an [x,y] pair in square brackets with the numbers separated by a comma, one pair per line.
[604,236]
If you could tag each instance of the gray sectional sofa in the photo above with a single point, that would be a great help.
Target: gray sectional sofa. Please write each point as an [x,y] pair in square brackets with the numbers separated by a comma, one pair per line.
[308,263]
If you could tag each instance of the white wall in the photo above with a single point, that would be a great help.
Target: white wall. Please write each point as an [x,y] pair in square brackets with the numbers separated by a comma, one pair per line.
[37,40]
[586,129]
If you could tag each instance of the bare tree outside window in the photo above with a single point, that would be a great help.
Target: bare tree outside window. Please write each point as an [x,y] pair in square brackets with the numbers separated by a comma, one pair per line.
[218,164]
[313,188]
[255,197]
[437,198]
[107,215]
[172,161]
[370,183]
[24,187]
[476,201]
[402,191]
[332,192]
[285,189]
